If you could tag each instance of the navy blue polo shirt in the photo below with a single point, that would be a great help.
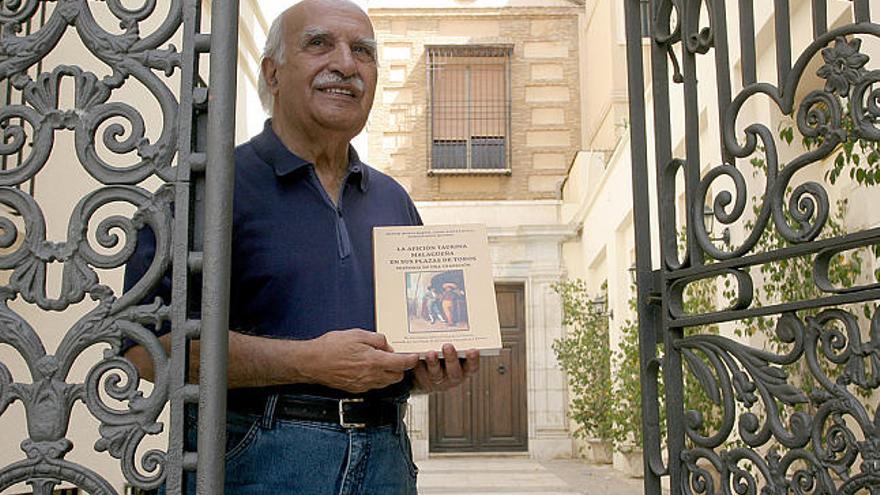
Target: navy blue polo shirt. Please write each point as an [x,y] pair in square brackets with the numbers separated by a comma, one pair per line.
[301,266]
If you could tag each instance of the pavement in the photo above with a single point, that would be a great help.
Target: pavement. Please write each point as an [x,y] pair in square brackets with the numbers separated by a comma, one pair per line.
[521,476]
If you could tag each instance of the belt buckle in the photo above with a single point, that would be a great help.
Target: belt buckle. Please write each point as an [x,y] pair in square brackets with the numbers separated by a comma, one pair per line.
[342,421]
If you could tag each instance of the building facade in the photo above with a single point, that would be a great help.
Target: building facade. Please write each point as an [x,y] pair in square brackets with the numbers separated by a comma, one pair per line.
[477,114]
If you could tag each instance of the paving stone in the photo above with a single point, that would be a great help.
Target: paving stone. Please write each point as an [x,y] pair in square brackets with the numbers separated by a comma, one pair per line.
[518,476]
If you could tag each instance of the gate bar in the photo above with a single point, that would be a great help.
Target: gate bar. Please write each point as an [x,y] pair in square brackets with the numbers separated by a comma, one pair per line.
[781,16]
[747,42]
[642,222]
[722,69]
[862,11]
[820,18]
[219,177]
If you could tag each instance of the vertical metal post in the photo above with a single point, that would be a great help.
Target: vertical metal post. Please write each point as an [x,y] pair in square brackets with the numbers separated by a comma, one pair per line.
[219,177]
[781,17]
[820,18]
[642,221]
[722,69]
[673,376]
[747,42]
[861,11]
[689,24]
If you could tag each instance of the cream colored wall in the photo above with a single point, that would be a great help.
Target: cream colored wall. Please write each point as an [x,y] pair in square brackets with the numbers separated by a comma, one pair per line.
[604,74]
[59,186]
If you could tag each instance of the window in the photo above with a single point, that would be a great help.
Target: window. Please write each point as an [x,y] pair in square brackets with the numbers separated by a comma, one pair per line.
[469,122]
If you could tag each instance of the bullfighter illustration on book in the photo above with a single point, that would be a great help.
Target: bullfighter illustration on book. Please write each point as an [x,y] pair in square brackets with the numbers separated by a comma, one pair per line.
[436,301]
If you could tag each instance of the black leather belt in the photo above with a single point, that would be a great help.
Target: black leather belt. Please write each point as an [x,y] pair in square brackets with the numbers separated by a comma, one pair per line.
[348,413]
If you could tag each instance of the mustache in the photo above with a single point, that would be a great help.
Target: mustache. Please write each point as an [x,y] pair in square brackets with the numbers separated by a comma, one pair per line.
[332,77]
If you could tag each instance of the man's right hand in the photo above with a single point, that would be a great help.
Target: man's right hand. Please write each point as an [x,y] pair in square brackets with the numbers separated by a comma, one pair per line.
[353,360]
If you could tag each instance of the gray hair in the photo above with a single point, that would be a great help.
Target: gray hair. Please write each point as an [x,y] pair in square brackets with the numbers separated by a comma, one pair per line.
[274,49]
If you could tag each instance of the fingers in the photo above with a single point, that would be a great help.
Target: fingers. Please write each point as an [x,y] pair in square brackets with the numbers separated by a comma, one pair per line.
[433,379]
[472,362]
[422,379]
[397,362]
[432,375]
[372,339]
[453,368]
[434,370]
[357,360]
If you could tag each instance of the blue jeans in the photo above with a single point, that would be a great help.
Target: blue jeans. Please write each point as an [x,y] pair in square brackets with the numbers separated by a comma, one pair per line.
[269,456]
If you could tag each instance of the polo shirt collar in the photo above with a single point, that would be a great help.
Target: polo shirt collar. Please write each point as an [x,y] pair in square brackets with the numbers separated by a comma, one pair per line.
[284,162]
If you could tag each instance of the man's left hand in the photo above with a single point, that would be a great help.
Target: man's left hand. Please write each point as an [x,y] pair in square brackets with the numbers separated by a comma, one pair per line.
[432,376]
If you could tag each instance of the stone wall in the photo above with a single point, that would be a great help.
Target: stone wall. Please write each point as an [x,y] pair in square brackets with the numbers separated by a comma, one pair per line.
[545,100]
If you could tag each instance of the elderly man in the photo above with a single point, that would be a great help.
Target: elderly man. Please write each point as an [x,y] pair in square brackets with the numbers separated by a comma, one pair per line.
[303,345]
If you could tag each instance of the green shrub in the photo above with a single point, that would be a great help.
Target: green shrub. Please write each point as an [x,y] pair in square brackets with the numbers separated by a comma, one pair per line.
[584,354]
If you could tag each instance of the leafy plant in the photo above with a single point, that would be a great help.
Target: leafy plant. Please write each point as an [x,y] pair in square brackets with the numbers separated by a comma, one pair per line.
[856,157]
[626,406]
[623,413]
[603,407]
[585,355]
[792,279]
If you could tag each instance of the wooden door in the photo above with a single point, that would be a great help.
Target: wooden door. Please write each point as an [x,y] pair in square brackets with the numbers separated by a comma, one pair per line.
[489,413]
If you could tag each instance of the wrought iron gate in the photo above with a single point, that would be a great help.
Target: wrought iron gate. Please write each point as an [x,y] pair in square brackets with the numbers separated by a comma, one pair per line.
[793,409]
[182,158]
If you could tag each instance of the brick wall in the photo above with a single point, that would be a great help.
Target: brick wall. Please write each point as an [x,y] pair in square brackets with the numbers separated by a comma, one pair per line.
[545,111]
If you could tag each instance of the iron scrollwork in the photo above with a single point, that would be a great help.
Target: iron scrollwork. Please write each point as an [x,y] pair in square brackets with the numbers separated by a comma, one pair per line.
[668,29]
[796,414]
[110,388]
[798,212]
[819,116]
[824,444]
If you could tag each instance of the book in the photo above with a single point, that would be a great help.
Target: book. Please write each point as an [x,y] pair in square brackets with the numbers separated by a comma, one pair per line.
[434,286]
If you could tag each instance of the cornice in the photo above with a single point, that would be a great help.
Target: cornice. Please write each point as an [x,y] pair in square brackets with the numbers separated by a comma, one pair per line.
[478,12]
[545,232]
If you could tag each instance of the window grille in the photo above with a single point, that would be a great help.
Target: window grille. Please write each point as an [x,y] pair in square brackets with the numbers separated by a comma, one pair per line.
[469,122]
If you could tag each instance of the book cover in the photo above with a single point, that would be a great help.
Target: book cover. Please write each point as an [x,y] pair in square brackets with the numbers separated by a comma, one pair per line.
[434,286]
